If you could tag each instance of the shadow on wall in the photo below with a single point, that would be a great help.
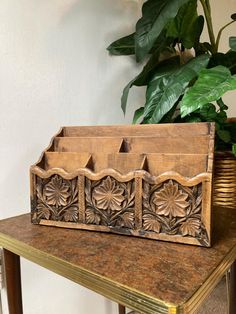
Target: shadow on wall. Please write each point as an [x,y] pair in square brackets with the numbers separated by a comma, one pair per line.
[77,8]
[83,31]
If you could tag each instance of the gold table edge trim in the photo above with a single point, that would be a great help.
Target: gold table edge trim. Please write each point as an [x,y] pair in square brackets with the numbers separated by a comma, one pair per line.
[208,286]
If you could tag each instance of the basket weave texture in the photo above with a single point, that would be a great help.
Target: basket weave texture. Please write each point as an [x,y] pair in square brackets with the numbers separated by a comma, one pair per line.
[224,192]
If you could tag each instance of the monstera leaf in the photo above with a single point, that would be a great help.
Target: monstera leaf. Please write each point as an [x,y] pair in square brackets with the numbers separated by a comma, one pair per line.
[166,87]
[210,86]
[155,15]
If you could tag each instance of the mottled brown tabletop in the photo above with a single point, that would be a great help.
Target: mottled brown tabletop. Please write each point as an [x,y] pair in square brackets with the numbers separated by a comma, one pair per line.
[146,275]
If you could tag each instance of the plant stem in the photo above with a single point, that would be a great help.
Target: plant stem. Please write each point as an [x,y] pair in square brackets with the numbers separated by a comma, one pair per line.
[180,53]
[208,6]
[207,12]
[220,32]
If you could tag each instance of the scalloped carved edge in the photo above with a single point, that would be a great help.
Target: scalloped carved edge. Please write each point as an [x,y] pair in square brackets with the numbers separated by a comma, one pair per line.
[143,174]
[138,208]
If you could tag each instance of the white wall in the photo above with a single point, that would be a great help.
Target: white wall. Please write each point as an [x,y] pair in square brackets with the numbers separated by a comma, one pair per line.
[54,71]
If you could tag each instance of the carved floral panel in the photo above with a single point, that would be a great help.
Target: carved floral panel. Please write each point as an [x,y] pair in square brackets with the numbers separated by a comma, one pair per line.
[109,202]
[173,209]
[56,199]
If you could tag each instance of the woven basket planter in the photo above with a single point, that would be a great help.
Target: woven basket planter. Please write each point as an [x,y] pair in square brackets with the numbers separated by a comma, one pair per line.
[224,192]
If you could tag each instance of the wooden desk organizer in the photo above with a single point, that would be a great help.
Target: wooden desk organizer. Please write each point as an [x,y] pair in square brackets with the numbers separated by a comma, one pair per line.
[151,181]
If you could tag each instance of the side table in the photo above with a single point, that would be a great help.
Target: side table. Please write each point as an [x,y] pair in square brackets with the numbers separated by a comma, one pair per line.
[145,275]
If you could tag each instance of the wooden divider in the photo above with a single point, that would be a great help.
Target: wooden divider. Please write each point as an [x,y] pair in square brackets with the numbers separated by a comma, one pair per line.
[68,161]
[188,165]
[171,145]
[121,162]
[87,144]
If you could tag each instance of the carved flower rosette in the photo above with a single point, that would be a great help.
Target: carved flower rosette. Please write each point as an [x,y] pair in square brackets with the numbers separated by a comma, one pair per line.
[109,202]
[173,209]
[56,199]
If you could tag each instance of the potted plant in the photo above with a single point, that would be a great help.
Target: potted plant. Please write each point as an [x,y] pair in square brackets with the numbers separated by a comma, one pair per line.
[185,78]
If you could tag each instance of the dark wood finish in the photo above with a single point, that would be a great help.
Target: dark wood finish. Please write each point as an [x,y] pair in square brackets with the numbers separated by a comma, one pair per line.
[148,181]
[232,289]
[121,309]
[144,275]
[13,282]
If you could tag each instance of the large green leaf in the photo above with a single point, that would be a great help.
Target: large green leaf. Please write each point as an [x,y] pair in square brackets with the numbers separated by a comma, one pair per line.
[138,114]
[125,94]
[155,15]
[126,45]
[209,112]
[232,43]
[224,135]
[199,25]
[153,62]
[185,26]
[234,149]
[192,28]
[210,86]
[155,90]
[152,66]
[168,85]
[123,46]
[226,59]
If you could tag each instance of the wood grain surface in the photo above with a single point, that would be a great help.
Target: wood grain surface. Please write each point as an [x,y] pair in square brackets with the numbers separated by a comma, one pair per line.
[150,181]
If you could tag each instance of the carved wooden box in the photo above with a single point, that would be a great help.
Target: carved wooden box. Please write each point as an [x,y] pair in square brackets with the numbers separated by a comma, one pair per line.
[151,181]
